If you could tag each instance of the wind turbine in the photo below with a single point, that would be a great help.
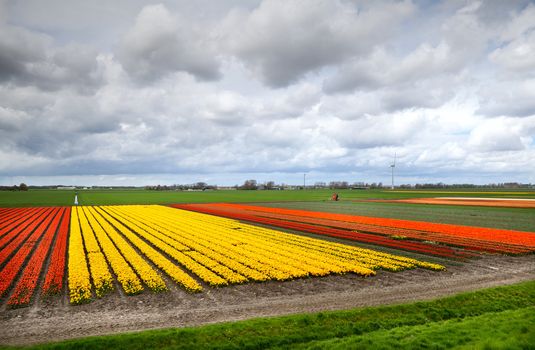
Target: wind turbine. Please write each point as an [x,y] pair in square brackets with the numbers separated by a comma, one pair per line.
[393,165]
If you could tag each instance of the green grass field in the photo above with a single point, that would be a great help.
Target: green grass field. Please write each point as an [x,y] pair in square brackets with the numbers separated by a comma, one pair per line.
[507,218]
[104,197]
[496,318]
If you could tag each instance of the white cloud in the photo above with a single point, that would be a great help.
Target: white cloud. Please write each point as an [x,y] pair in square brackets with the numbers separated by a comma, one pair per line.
[518,55]
[221,92]
[495,135]
[519,24]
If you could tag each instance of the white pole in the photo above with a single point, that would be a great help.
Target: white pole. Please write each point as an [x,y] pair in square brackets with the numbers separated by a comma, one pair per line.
[393,165]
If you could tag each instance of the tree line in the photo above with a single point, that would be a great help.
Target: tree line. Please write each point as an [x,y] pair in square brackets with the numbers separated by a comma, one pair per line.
[21,187]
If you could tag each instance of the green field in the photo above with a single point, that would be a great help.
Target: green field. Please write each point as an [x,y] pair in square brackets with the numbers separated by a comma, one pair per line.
[496,318]
[106,197]
[506,218]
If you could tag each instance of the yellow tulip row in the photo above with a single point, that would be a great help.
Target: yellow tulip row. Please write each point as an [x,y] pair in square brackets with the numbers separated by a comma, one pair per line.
[382,260]
[302,260]
[352,253]
[79,279]
[271,253]
[355,256]
[125,275]
[148,275]
[100,274]
[196,235]
[161,242]
[158,259]
[278,266]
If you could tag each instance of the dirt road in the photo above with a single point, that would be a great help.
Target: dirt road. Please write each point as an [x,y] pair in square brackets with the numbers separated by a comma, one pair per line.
[56,319]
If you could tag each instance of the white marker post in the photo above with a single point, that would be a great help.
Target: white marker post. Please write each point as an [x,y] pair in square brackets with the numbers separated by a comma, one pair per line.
[75,199]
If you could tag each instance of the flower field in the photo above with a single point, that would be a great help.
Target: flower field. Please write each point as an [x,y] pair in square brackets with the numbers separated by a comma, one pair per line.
[381,231]
[135,248]
[26,238]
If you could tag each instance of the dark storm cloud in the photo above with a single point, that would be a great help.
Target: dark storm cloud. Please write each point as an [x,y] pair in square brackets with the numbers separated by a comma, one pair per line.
[283,40]
[30,59]
[159,44]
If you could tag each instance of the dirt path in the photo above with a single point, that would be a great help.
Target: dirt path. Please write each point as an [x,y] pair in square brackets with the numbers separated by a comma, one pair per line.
[56,319]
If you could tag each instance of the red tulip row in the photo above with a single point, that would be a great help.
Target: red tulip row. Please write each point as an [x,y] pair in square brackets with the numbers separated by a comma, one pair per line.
[11,221]
[467,243]
[8,215]
[481,239]
[56,271]
[26,285]
[33,233]
[329,231]
[11,242]
[526,239]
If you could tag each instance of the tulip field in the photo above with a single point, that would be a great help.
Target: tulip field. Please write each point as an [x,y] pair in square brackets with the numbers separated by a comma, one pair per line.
[134,248]
[382,231]
[74,271]
[90,251]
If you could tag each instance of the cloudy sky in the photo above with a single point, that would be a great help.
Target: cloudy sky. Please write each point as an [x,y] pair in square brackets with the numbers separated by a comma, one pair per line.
[133,92]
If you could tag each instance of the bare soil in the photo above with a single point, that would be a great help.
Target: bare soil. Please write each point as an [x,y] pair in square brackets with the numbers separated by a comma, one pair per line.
[54,319]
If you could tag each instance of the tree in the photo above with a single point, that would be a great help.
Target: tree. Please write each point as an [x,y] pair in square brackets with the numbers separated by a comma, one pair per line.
[23,187]
[249,185]
[200,185]
[269,185]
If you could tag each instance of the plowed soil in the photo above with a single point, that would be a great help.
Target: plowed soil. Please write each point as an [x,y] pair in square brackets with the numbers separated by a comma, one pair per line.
[54,319]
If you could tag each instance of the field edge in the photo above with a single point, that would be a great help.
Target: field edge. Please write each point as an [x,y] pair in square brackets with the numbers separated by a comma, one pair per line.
[305,328]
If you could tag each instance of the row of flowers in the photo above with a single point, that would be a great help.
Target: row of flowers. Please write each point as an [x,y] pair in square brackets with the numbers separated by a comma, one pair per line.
[134,245]
[22,250]
[323,230]
[147,274]
[152,254]
[335,252]
[13,218]
[79,277]
[11,241]
[472,238]
[126,276]
[56,270]
[287,257]
[144,221]
[489,234]
[27,283]
[100,272]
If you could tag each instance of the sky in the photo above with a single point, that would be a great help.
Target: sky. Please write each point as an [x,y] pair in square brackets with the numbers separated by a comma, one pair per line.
[131,92]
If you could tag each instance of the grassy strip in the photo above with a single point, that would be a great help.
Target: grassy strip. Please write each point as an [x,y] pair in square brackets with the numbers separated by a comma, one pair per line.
[291,331]
[140,196]
[512,329]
